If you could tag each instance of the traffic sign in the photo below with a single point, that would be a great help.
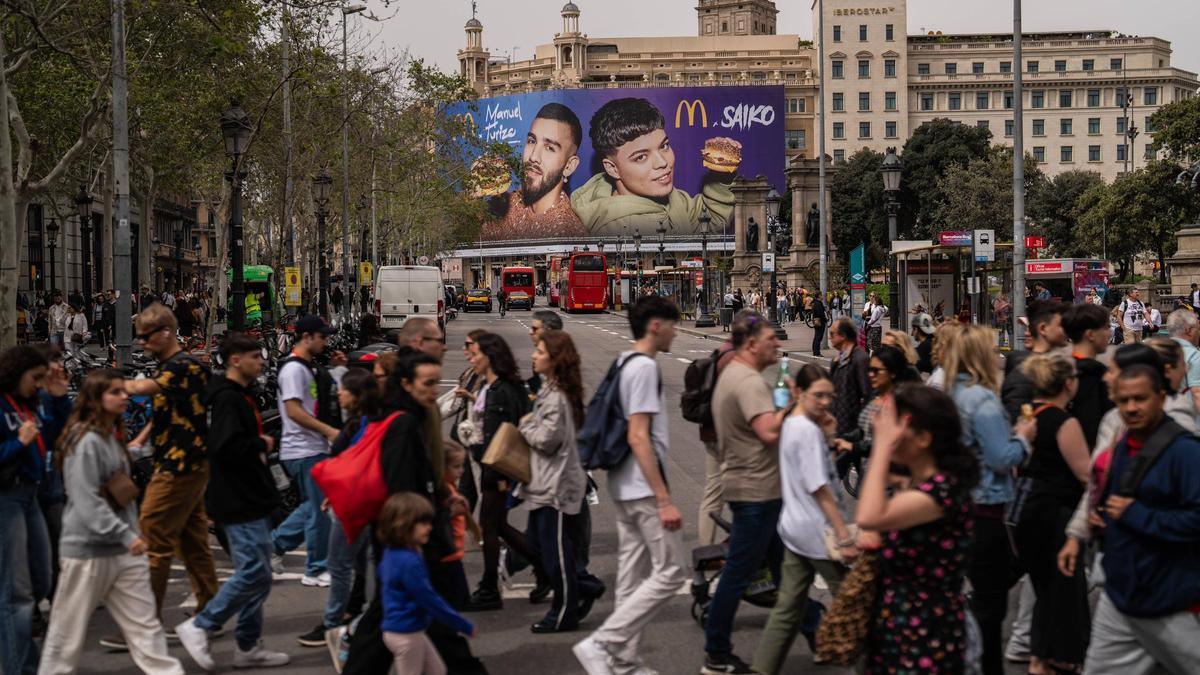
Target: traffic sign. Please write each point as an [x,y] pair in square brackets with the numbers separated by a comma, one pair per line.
[768,262]
[291,276]
[423,260]
[985,245]
[1035,242]
[364,273]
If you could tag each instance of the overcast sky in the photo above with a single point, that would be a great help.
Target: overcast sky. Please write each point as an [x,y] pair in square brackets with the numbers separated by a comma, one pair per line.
[433,29]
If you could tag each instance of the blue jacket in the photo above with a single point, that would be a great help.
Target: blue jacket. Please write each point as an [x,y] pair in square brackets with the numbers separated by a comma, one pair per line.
[52,413]
[409,602]
[1152,553]
[986,430]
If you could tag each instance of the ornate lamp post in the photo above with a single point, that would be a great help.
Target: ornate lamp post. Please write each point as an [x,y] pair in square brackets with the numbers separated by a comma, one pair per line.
[637,253]
[83,207]
[52,243]
[891,169]
[154,242]
[322,185]
[235,127]
[773,202]
[178,261]
[704,317]
[662,245]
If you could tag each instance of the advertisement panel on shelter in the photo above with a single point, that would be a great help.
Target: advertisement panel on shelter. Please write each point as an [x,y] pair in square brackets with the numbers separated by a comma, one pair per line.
[604,162]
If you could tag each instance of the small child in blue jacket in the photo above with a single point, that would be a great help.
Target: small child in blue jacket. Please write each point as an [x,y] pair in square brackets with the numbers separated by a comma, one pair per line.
[410,604]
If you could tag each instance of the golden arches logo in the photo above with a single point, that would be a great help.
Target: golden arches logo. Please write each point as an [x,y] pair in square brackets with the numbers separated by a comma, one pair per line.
[469,120]
[691,112]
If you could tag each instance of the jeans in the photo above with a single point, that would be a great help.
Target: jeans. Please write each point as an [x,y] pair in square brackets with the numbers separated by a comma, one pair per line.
[752,541]
[340,563]
[308,523]
[24,575]
[246,591]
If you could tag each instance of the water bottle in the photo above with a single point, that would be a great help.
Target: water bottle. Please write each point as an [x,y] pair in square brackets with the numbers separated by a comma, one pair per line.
[783,390]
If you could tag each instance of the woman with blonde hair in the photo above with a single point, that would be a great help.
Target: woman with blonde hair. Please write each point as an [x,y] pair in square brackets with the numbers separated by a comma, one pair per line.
[973,380]
[902,341]
[1051,484]
[941,339]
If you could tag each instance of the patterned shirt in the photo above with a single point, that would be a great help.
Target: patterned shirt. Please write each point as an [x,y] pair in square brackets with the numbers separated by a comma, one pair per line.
[522,222]
[179,416]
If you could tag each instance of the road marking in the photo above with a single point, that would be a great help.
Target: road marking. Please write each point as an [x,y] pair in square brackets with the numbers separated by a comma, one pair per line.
[682,360]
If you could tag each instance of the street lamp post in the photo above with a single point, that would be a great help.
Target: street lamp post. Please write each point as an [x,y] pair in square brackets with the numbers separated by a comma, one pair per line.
[704,318]
[773,202]
[178,261]
[83,207]
[322,184]
[52,243]
[154,242]
[235,128]
[637,254]
[346,12]
[662,245]
[891,168]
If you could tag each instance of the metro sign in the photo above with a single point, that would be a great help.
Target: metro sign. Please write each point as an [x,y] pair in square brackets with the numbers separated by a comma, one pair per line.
[1044,268]
[1035,242]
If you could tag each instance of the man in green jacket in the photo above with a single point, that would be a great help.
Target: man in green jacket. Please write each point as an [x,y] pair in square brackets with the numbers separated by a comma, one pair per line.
[637,186]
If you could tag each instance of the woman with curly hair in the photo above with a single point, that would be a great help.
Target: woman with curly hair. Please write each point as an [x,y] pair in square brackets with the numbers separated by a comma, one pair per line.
[557,485]
[920,617]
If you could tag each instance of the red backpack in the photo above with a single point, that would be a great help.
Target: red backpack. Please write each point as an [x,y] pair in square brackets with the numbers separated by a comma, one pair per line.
[353,481]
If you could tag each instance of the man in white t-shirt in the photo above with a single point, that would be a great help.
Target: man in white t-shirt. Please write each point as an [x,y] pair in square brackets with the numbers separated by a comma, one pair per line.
[1133,316]
[650,540]
[305,441]
[873,315]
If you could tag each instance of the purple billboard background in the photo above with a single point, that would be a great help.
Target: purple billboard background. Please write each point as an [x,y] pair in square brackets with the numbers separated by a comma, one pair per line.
[751,115]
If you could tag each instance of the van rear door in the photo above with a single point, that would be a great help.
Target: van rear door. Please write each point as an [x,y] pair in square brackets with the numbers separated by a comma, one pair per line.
[406,292]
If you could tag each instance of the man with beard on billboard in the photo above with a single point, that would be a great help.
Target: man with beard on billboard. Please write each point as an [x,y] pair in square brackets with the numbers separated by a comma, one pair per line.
[541,207]
[637,186]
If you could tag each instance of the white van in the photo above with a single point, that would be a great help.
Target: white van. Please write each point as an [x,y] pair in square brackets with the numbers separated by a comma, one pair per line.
[406,291]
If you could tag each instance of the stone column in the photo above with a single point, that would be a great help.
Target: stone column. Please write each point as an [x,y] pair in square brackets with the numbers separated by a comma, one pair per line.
[803,176]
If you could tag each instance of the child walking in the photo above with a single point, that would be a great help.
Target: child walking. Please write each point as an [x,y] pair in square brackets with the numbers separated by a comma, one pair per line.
[410,604]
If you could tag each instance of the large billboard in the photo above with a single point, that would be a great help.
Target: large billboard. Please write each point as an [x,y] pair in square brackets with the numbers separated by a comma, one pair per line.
[606,162]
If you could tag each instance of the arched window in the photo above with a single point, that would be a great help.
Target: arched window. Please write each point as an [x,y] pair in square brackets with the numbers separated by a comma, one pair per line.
[566,58]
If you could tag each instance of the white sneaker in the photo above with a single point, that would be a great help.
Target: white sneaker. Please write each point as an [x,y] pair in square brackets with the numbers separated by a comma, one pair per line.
[258,657]
[195,641]
[319,581]
[339,650]
[592,657]
[276,564]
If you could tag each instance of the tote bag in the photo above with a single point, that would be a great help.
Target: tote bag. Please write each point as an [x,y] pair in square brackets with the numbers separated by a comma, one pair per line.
[353,481]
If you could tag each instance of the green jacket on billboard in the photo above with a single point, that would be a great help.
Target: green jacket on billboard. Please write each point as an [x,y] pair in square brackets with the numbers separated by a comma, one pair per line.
[606,213]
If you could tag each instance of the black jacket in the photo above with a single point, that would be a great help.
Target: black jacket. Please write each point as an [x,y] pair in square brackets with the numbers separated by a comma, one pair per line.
[240,486]
[852,389]
[406,465]
[1091,400]
[1017,389]
[506,402]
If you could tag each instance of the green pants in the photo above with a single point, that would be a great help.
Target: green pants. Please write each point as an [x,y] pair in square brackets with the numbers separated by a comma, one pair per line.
[784,623]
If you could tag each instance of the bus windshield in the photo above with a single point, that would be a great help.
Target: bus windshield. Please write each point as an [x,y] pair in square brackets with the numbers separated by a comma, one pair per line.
[518,279]
[587,263]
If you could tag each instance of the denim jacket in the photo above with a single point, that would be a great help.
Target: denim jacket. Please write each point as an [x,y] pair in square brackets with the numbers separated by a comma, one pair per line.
[986,430]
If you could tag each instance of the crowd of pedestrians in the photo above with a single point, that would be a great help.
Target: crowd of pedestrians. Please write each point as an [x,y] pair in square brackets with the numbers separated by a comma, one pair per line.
[1063,467]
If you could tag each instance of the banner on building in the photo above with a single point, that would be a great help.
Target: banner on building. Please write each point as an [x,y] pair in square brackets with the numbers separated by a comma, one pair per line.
[609,162]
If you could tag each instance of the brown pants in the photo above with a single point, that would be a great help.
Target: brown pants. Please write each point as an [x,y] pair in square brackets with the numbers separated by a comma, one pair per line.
[174,523]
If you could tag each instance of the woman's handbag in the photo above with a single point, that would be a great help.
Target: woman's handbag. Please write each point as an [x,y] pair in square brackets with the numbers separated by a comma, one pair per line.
[448,404]
[508,453]
[119,490]
[842,635]
[353,481]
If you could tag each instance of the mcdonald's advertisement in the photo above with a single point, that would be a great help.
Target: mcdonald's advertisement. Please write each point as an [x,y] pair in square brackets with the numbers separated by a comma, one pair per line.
[612,162]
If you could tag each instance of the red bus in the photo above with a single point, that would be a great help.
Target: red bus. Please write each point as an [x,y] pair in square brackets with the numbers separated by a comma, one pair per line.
[584,283]
[558,264]
[517,280]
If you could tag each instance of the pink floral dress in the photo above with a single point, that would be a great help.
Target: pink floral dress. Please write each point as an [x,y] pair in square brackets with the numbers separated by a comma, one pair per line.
[920,613]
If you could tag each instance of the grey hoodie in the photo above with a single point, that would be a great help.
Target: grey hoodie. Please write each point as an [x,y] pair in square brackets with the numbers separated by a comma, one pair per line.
[90,527]
[557,477]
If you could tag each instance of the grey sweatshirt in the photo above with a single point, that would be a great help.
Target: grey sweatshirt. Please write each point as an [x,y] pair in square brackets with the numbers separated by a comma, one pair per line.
[90,527]
[557,477]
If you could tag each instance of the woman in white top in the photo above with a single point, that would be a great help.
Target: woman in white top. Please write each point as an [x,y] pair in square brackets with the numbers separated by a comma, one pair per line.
[76,325]
[810,506]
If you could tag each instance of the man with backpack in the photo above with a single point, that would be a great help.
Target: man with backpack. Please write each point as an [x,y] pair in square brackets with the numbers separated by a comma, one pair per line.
[241,496]
[1147,614]
[1133,316]
[649,525]
[699,381]
[311,418]
[172,513]
[748,426]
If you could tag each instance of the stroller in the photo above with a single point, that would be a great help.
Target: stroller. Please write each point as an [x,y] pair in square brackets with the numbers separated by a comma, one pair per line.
[707,563]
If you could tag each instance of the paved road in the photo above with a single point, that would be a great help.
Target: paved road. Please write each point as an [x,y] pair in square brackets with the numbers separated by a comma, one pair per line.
[674,643]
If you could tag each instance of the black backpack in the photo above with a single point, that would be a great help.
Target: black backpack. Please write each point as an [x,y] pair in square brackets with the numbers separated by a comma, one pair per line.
[699,381]
[328,409]
[603,439]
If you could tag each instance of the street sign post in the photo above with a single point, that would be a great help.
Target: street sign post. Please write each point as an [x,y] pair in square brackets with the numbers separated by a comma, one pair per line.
[858,280]
[1035,243]
[768,262]
[985,245]
[291,286]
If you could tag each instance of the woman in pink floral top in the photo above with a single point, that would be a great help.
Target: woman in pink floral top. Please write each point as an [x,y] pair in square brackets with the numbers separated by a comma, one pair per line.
[921,611]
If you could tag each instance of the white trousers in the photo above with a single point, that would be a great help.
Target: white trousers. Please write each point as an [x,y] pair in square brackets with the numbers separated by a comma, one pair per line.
[1127,645]
[122,583]
[650,571]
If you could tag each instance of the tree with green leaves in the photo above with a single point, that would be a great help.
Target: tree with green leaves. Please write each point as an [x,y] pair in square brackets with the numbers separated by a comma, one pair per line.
[1177,130]
[1051,205]
[931,150]
[979,196]
[858,215]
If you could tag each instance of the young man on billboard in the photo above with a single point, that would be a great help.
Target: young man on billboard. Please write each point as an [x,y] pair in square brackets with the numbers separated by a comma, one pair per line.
[637,185]
[541,207]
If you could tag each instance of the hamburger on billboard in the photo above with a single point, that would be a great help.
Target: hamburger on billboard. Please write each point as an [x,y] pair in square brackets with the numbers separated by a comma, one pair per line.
[604,162]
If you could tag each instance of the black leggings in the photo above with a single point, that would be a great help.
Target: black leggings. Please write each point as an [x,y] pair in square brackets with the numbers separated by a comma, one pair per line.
[493,520]
[991,575]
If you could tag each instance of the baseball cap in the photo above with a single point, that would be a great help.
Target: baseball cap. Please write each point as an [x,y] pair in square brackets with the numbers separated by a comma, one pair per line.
[924,323]
[313,324]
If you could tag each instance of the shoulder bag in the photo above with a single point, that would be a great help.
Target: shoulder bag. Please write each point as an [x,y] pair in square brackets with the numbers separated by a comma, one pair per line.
[842,635]
[353,481]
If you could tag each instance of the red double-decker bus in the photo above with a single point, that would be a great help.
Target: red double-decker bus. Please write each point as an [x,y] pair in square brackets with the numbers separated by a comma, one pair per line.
[584,283]
[518,279]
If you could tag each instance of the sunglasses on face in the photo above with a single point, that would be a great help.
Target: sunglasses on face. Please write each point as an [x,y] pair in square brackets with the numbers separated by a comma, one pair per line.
[876,371]
[468,344]
[149,334]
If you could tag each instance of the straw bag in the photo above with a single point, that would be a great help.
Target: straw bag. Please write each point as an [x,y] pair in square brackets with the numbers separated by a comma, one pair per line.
[842,635]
